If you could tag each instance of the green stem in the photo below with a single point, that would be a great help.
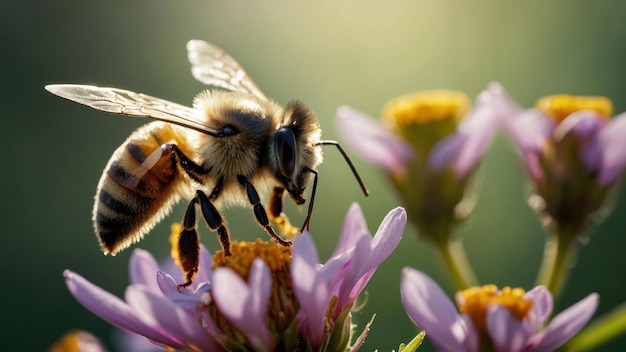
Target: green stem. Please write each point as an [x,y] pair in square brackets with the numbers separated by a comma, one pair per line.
[600,331]
[455,259]
[559,254]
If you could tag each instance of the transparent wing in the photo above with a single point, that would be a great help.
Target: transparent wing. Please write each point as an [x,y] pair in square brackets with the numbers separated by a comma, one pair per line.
[124,102]
[212,65]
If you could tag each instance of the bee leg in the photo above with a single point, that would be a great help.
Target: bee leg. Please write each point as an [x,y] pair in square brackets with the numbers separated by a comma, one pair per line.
[259,211]
[188,245]
[277,216]
[214,220]
[192,169]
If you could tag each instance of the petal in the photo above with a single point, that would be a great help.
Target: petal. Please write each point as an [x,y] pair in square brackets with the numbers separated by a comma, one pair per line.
[429,308]
[584,123]
[143,269]
[114,310]
[385,241]
[183,297]
[204,268]
[371,141]
[466,146]
[541,308]
[310,288]
[387,236]
[506,331]
[530,129]
[354,228]
[157,310]
[612,144]
[565,325]
[245,304]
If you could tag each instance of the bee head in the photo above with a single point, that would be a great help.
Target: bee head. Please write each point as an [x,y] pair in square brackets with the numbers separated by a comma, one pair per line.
[295,150]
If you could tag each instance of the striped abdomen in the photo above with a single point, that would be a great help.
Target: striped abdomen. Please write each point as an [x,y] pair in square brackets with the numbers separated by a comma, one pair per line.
[137,188]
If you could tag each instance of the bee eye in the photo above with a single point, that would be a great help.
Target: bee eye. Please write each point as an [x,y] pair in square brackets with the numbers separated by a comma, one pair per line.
[285,148]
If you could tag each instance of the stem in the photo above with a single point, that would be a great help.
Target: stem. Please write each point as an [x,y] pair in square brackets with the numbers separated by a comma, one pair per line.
[600,331]
[455,259]
[559,254]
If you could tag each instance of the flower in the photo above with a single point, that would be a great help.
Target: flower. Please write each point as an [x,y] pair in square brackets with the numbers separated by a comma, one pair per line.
[428,144]
[263,297]
[574,152]
[506,319]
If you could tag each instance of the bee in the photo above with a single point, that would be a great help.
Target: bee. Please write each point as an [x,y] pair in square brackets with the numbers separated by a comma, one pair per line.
[233,143]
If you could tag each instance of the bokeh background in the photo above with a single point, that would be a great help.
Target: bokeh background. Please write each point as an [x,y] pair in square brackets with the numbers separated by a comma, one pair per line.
[325,53]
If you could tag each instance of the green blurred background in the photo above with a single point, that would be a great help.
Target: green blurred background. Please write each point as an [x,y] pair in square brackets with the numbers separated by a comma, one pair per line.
[324,53]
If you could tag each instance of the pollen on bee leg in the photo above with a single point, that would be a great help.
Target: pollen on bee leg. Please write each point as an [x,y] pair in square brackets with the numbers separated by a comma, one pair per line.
[175,229]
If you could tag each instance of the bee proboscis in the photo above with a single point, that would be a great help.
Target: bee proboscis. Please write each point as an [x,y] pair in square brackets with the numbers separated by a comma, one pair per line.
[233,141]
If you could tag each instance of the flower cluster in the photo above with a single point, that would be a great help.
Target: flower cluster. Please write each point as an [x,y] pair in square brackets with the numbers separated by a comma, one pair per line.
[264,297]
[430,143]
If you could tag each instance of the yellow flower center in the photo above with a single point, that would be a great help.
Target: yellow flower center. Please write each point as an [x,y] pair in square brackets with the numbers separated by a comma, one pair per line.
[475,300]
[562,105]
[426,106]
[283,305]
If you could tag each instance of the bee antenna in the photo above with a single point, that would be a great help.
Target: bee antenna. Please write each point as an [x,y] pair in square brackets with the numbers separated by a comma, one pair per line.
[345,156]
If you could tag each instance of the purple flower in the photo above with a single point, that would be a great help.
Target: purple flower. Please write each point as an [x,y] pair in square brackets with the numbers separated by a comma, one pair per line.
[372,141]
[466,146]
[452,135]
[260,298]
[345,274]
[561,119]
[507,319]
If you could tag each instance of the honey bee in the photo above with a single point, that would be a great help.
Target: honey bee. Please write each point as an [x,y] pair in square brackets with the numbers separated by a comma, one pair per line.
[233,141]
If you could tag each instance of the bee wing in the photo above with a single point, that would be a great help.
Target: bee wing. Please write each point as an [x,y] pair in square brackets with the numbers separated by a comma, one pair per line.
[212,65]
[124,102]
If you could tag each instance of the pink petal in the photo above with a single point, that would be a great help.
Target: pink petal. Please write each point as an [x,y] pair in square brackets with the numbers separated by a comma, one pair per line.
[245,304]
[114,310]
[612,144]
[387,236]
[540,310]
[530,129]
[429,308]
[385,241]
[156,310]
[310,288]
[467,145]
[584,123]
[354,228]
[143,269]
[565,325]
[506,332]
[371,141]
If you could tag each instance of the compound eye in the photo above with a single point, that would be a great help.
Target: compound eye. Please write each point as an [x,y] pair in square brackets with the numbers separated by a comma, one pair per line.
[285,147]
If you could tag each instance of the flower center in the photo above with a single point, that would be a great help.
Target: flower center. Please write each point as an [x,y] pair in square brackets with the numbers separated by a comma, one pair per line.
[562,105]
[475,300]
[283,304]
[426,106]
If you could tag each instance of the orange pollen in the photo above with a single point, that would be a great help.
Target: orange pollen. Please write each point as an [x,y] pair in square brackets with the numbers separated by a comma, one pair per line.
[475,300]
[562,105]
[425,107]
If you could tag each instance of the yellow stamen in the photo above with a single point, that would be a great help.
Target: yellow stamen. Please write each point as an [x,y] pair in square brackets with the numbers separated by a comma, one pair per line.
[426,106]
[283,304]
[561,106]
[475,300]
